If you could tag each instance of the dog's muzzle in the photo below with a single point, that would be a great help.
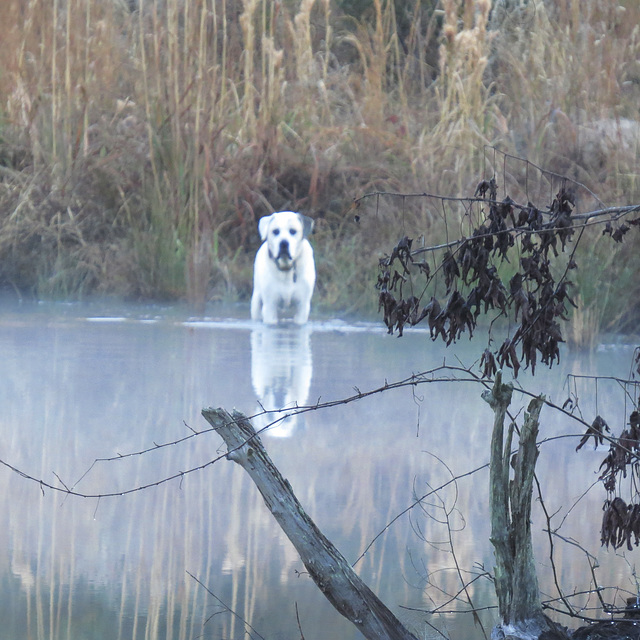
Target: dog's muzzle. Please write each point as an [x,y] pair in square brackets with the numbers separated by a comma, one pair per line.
[283,260]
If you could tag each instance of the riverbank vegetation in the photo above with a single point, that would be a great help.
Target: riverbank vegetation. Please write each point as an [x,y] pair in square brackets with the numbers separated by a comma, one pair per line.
[141,141]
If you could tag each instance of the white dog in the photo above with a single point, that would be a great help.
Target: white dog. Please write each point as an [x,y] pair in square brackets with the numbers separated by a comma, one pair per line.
[284,272]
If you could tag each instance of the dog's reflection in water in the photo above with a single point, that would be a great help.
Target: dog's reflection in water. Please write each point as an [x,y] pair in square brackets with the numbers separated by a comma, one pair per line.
[281,370]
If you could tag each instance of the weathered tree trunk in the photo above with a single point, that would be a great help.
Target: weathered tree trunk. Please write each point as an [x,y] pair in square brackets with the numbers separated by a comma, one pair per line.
[510,505]
[525,600]
[330,571]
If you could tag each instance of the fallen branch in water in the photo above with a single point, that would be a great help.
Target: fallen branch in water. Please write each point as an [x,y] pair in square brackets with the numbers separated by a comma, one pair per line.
[333,575]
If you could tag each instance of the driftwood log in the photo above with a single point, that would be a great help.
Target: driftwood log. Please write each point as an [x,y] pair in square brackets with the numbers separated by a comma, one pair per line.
[333,575]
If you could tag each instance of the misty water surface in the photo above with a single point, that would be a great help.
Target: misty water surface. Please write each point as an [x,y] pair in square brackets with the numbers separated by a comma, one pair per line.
[197,556]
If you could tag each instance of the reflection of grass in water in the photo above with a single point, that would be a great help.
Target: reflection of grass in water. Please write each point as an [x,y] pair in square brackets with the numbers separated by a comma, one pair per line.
[154,597]
[72,587]
[152,537]
[42,613]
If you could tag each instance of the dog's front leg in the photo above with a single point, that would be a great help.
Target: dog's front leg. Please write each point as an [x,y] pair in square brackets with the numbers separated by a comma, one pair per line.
[269,312]
[302,311]
[263,309]
[256,305]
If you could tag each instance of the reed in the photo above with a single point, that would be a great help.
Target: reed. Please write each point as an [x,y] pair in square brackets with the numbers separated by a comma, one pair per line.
[138,148]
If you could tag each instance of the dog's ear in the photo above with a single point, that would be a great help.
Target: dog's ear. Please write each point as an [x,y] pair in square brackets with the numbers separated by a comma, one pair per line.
[263,226]
[307,225]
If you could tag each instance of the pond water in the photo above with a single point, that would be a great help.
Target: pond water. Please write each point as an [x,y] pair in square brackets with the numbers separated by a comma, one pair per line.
[90,392]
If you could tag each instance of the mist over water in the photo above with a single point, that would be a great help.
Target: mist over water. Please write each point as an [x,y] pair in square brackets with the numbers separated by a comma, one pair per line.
[80,384]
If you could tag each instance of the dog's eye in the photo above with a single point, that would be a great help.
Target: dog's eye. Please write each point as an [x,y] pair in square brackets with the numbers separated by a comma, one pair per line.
[276,232]
[293,231]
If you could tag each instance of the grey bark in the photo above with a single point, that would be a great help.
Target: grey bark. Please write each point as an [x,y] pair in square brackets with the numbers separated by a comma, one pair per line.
[333,575]
[510,505]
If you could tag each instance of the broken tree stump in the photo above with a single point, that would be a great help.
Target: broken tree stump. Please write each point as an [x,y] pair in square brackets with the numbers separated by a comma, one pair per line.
[516,581]
[333,575]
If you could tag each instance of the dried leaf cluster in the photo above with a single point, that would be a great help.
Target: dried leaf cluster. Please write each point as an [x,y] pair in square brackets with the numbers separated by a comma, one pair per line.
[623,453]
[466,282]
[620,520]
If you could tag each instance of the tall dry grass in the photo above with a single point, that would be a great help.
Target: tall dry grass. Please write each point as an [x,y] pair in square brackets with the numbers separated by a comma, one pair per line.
[139,147]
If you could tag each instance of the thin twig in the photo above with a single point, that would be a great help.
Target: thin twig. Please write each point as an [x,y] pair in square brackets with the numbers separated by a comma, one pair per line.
[298,621]
[227,608]
[554,571]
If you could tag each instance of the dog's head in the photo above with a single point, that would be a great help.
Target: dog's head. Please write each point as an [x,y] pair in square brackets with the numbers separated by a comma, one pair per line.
[284,233]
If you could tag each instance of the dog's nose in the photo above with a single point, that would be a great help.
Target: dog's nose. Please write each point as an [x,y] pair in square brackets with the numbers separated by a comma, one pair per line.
[284,250]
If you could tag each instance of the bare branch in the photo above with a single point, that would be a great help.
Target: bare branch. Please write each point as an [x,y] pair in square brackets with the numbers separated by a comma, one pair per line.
[226,608]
